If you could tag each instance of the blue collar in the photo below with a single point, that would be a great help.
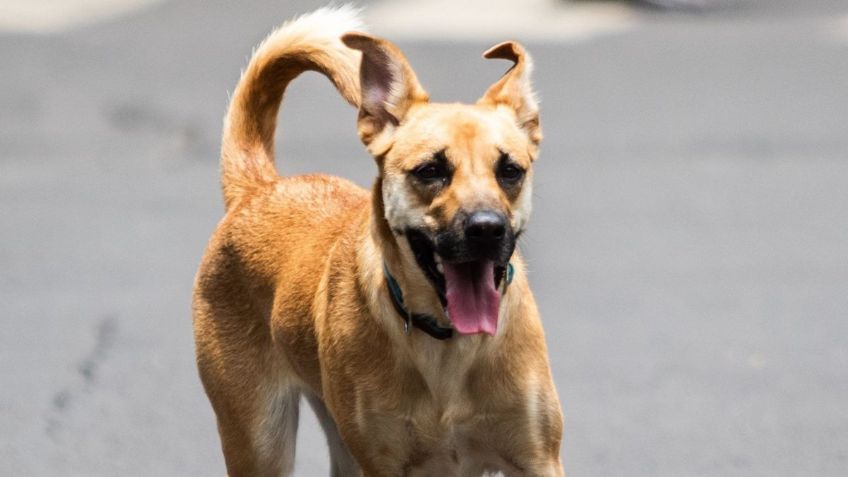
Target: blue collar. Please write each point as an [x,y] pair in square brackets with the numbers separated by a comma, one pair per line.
[425,323]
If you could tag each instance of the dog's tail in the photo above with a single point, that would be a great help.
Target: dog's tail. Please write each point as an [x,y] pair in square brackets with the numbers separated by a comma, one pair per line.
[310,42]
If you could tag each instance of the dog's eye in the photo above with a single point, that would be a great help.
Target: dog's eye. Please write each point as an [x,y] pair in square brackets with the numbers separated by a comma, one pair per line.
[509,173]
[430,172]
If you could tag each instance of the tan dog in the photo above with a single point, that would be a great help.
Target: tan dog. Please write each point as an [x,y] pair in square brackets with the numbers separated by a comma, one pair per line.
[403,315]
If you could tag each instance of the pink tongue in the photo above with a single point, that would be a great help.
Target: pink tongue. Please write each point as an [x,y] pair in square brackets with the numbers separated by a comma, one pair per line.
[473,301]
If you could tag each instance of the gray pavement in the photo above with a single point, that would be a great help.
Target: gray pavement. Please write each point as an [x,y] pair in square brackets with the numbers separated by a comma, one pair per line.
[689,249]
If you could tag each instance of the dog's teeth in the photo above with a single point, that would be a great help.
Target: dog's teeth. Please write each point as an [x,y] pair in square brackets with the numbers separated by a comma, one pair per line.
[440,267]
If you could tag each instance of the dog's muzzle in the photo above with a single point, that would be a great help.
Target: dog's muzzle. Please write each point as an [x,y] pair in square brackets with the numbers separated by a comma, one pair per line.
[485,235]
[467,262]
[480,235]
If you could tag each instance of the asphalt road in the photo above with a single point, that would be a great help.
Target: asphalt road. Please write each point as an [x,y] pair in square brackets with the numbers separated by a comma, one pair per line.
[689,249]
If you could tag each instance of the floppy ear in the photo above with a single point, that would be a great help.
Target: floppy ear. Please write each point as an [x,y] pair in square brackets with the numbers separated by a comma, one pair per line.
[514,90]
[388,85]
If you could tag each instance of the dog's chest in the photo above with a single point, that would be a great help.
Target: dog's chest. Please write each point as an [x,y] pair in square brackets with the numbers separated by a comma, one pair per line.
[445,428]
[446,442]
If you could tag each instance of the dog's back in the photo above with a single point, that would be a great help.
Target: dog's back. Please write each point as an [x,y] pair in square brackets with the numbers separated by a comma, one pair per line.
[273,221]
[276,230]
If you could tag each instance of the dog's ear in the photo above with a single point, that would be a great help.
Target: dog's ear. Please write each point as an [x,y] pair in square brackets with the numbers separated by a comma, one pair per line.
[514,89]
[389,88]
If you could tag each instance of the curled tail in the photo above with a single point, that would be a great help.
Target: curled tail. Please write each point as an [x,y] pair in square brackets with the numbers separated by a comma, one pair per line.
[310,42]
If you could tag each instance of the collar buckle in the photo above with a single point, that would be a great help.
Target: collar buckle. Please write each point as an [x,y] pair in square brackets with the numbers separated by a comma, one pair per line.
[407,324]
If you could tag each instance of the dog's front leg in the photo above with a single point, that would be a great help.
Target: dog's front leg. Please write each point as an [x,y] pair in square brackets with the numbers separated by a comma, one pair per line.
[542,458]
[377,441]
[527,436]
[379,449]
[545,468]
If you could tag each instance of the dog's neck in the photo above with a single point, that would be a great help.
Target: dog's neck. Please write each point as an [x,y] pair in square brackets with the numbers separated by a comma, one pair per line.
[419,294]
[443,364]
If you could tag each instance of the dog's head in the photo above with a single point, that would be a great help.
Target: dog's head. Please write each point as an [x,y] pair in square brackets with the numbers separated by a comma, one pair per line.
[455,178]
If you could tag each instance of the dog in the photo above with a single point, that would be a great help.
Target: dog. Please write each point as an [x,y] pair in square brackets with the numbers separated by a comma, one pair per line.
[402,314]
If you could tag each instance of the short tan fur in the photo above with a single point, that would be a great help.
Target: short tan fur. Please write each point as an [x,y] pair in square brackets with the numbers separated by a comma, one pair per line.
[291,299]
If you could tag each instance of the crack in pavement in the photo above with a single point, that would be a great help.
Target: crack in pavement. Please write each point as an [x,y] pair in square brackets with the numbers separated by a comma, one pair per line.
[106,331]
[182,137]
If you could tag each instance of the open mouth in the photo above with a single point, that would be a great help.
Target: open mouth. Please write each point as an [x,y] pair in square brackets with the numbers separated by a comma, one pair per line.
[467,289]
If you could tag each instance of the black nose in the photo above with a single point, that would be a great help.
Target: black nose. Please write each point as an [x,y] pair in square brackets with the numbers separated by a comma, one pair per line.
[485,226]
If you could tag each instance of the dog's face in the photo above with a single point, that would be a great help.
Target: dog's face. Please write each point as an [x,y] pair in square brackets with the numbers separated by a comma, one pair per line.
[456,179]
[457,185]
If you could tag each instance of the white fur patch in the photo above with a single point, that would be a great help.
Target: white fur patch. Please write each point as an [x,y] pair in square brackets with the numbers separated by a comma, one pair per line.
[276,433]
[533,409]
[328,23]
[399,211]
[523,205]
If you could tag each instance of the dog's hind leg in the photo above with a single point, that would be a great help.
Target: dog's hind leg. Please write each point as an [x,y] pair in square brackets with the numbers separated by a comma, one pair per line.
[250,385]
[342,463]
[257,422]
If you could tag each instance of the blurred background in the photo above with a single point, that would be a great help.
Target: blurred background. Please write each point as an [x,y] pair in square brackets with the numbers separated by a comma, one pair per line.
[689,250]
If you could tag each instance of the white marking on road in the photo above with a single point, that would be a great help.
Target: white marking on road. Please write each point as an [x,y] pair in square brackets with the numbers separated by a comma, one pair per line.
[834,29]
[56,16]
[757,361]
[840,32]
[496,20]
